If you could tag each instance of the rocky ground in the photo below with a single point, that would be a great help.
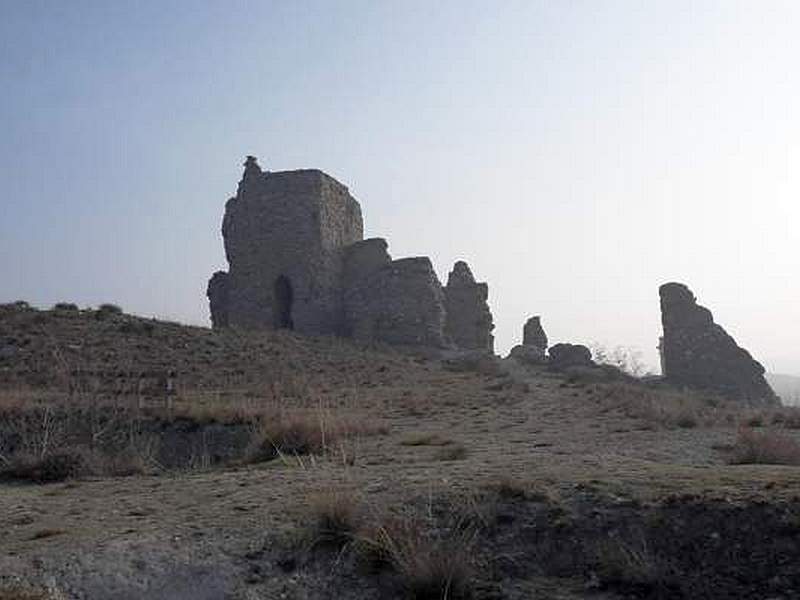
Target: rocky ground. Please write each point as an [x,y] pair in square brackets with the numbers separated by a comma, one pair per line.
[484,480]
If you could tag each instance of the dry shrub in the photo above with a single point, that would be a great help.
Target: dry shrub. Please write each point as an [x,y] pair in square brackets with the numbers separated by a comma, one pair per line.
[672,409]
[508,487]
[335,514]
[51,468]
[632,565]
[203,412]
[316,432]
[431,563]
[66,307]
[71,463]
[787,416]
[764,448]
[108,309]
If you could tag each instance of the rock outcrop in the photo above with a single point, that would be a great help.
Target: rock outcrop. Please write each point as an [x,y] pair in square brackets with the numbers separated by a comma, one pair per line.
[533,334]
[563,356]
[469,321]
[697,352]
[533,350]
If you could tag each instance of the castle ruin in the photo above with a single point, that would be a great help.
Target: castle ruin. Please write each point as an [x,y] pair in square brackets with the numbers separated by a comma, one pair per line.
[298,260]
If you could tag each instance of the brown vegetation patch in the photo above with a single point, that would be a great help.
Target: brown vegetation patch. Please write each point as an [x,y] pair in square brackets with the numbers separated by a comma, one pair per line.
[764,448]
[311,431]
[335,513]
[430,563]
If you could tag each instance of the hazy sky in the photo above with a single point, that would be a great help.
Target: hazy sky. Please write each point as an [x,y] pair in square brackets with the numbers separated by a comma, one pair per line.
[576,154]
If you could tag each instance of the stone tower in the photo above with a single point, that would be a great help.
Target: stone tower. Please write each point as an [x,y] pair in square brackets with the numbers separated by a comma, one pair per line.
[284,235]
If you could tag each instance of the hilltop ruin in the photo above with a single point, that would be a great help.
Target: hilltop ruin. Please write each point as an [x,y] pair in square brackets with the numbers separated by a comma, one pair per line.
[298,260]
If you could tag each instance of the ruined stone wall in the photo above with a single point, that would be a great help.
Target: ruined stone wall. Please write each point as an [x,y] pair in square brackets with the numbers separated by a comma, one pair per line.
[291,225]
[364,258]
[297,259]
[697,352]
[399,303]
[469,321]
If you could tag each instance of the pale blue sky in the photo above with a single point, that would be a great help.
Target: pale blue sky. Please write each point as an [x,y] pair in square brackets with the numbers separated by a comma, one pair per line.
[576,154]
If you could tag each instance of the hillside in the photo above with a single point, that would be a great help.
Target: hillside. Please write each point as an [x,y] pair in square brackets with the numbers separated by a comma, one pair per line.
[271,465]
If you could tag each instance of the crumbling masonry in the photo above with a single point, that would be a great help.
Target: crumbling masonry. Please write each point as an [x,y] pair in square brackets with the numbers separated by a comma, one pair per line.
[298,260]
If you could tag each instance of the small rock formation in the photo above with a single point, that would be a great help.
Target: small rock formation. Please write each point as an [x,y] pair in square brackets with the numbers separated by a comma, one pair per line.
[563,356]
[298,260]
[697,352]
[469,321]
[533,349]
[533,334]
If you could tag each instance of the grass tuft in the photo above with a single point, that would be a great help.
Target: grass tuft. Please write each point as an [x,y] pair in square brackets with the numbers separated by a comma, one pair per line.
[431,564]
[335,514]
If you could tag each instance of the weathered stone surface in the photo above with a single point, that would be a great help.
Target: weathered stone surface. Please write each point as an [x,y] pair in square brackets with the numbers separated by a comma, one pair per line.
[697,352]
[533,334]
[284,233]
[533,349]
[364,258]
[529,355]
[563,356]
[218,299]
[401,303]
[469,321]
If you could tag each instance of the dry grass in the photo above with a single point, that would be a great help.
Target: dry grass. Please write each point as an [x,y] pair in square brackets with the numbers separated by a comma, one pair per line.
[335,514]
[320,431]
[686,409]
[667,408]
[48,436]
[431,563]
[423,438]
[764,448]
[20,591]
[631,564]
